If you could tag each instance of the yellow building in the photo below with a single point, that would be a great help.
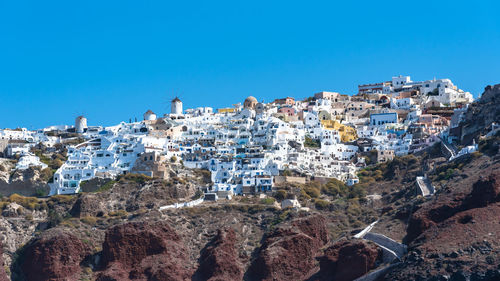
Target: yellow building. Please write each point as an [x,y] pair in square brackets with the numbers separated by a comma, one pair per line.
[347,134]
[227,110]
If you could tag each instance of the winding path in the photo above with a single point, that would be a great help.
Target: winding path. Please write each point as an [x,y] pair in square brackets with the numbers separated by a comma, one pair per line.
[426,187]
[392,249]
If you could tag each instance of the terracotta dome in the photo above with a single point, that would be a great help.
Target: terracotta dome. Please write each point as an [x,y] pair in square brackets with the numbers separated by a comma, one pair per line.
[250,102]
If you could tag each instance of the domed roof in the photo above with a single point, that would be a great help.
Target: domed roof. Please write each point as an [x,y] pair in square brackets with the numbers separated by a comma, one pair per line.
[149,112]
[251,99]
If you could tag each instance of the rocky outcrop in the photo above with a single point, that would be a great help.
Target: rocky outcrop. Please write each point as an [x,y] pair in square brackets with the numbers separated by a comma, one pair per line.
[481,114]
[219,260]
[3,274]
[455,236]
[348,260]
[12,210]
[288,253]
[484,191]
[88,205]
[25,182]
[144,251]
[468,242]
[56,255]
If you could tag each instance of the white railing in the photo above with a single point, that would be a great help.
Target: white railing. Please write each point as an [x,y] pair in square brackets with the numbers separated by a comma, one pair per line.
[182,205]
[425,186]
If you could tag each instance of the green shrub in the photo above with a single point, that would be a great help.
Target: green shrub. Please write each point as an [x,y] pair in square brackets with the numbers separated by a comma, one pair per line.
[107,186]
[46,174]
[40,193]
[312,191]
[321,204]
[89,220]
[119,213]
[267,201]
[312,143]
[334,187]
[357,191]
[280,194]
[61,198]
[30,203]
[54,218]
[138,178]
[490,145]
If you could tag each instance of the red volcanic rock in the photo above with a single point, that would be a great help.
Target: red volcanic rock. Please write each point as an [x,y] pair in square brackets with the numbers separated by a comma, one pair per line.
[289,252]
[348,260]
[219,260]
[315,227]
[54,256]
[483,192]
[467,242]
[143,251]
[3,274]
[417,224]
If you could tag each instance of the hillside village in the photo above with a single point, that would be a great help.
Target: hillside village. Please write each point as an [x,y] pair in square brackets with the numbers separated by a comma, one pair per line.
[252,146]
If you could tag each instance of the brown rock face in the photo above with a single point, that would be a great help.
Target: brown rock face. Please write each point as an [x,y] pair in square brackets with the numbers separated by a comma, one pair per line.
[143,251]
[348,260]
[87,205]
[457,233]
[289,253]
[484,191]
[219,260]
[468,242]
[3,274]
[54,256]
[481,114]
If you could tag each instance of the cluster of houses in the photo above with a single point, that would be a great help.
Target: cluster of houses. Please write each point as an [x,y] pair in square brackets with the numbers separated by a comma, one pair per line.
[251,146]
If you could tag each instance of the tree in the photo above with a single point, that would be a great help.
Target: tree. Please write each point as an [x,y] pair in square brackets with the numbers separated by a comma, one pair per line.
[280,194]
[309,142]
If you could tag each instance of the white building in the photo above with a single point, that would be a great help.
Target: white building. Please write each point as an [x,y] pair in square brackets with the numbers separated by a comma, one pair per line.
[149,115]
[80,124]
[29,160]
[382,118]
[176,106]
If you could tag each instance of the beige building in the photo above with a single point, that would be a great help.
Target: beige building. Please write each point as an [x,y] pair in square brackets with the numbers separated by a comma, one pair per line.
[385,155]
[332,96]
[151,164]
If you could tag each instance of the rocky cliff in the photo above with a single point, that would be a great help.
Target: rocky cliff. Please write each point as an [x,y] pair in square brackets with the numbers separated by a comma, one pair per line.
[55,255]
[481,114]
[144,251]
[3,274]
[114,231]
[219,260]
[457,233]
[26,182]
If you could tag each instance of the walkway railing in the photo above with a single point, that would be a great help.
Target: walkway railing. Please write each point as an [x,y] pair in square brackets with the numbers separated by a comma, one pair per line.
[183,205]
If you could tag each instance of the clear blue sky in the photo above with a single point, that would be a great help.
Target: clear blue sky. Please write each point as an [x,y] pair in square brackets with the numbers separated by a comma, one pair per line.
[113,60]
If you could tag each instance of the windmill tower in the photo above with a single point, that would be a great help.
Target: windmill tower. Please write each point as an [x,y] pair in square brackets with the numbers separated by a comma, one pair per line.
[176,106]
[80,124]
